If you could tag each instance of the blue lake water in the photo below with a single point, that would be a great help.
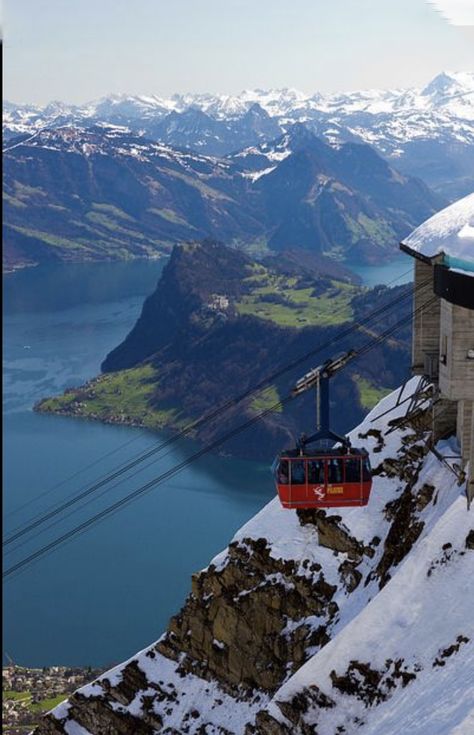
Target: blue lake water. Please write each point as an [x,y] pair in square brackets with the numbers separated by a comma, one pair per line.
[110,591]
[394,273]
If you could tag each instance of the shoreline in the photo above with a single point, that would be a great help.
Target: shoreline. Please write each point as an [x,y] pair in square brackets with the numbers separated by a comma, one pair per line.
[21,266]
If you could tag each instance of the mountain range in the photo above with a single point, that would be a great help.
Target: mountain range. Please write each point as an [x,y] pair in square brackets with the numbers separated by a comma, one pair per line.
[103,192]
[427,132]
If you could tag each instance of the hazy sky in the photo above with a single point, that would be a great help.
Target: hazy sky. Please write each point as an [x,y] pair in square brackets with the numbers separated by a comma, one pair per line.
[76,50]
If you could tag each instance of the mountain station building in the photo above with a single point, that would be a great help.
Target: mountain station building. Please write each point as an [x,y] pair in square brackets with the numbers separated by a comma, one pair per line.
[443,321]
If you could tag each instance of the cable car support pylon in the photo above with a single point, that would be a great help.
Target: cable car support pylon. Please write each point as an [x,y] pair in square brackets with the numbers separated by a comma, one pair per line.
[319,378]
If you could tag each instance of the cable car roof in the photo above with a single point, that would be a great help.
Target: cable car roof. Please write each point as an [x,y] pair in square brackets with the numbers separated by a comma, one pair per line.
[322,453]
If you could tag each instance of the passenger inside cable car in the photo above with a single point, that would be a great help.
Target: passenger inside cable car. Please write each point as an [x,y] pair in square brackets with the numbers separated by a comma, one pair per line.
[283,472]
[315,470]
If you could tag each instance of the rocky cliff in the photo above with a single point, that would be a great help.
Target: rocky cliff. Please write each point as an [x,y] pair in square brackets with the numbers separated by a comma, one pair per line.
[318,623]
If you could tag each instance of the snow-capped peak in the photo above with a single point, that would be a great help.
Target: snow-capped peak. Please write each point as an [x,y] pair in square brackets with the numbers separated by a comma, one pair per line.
[390,120]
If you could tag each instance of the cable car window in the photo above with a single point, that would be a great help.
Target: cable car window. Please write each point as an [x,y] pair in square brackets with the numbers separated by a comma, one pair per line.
[334,470]
[353,469]
[316,470]
[366,472]
[298,474]
[283,472]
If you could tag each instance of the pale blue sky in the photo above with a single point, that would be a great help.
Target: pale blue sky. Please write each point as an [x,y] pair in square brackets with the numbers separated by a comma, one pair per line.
[77,50]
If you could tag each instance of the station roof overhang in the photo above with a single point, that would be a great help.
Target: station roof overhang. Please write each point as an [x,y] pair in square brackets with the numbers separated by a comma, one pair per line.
[447,237]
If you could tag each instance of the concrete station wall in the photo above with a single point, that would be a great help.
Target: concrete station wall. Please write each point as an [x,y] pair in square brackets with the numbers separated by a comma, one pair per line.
[427,315]
[446,330]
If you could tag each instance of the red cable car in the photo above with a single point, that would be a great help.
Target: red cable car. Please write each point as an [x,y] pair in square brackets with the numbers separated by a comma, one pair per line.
[333,478]
[339,476]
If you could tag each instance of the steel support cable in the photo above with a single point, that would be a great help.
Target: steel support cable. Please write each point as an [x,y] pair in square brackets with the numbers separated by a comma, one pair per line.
[385,335]
[41,528]
[376,340]
[42,518]
[63,518]
[185,463]
[72,477]
[117,449]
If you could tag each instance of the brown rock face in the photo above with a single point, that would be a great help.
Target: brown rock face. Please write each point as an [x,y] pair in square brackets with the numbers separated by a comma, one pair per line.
[253,619]
[294,711]
[350,575]
[404,531]
[332,534]
[241,638]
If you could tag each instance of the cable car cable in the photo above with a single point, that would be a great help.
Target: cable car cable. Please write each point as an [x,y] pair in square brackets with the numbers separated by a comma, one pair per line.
[73,476]
[40,519]
[197,422]
[83,505]
[194,457]
[122,446]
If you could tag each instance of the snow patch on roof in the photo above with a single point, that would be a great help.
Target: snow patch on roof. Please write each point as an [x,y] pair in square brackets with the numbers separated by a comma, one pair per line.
[450,231]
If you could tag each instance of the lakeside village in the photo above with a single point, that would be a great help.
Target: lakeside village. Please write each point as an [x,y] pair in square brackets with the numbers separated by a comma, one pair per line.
[28,693]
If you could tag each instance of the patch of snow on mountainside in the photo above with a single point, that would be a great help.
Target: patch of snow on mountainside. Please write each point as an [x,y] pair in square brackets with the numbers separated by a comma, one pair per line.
[423,618]
[116,140]
[400,655]
[255,175]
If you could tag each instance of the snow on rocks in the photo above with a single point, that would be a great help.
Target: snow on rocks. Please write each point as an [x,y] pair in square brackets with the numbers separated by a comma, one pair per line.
[324,622]
[72,728]
[421,619]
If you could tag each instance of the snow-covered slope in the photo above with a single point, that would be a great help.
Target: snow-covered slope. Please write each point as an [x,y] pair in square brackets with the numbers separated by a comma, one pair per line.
[406,662]
[352,620]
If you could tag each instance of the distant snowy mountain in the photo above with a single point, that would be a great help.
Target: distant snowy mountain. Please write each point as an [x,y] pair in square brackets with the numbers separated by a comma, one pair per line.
[429,132]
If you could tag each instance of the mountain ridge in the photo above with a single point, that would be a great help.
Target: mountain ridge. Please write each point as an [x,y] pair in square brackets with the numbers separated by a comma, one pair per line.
[426,132]
[77,193]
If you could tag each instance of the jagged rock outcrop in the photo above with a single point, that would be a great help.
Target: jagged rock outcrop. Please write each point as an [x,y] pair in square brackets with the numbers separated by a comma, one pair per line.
[246,621]
[314,624]
[333,534]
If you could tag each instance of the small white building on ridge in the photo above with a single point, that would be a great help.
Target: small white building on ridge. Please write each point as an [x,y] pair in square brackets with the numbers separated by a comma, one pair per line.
[443,321]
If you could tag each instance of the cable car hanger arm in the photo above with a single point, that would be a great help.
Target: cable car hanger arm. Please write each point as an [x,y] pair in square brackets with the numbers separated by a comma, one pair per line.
[326,370]
[318,378]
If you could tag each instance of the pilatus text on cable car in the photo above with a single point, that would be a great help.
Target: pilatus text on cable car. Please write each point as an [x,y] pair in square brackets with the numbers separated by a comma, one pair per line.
[309,476]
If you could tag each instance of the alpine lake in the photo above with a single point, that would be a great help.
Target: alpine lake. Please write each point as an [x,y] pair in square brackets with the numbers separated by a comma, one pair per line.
[110,590]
